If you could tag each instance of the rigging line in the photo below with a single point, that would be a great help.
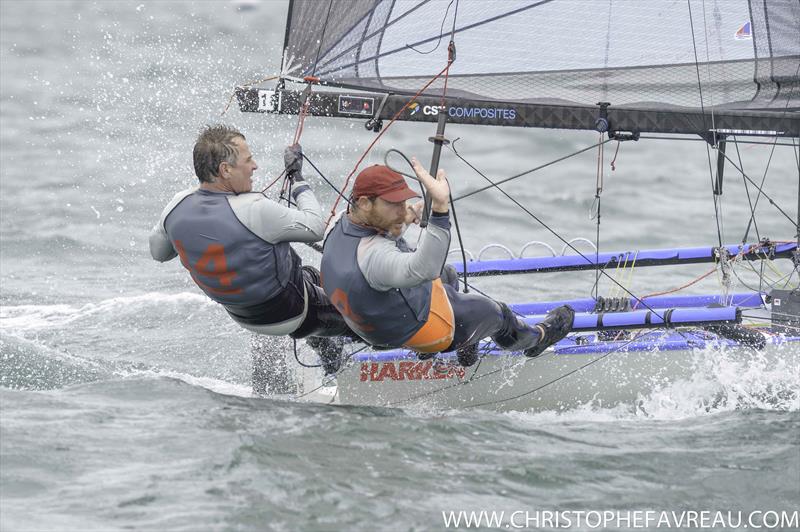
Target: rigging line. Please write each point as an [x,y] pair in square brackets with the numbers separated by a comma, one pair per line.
[598,191]
[673,290]
[705,126]
[264,190]
[708,66]
[338,192]
[797,156]
[297,133]
[763,180]
[342,367]
[322,37]
[689,341]
[441,32]
[771,319]
[569,373]
[297,357]
[378,136]
[526,172]
[529,213]
[749,199]
[761,278]
[451,56]
[761,192]
[690,139]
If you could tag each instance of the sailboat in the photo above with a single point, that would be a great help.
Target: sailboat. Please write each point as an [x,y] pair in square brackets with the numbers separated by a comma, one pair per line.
[725,72]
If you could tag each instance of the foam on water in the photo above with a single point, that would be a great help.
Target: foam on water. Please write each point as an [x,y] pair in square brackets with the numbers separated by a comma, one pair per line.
[15,319]
[724,381]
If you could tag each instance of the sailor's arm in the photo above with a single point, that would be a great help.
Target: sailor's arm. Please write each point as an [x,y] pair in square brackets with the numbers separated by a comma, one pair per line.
[160,245]
[385,267]
[277,223]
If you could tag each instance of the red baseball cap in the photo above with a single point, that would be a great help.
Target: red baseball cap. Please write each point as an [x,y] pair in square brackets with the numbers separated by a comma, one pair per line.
[379,181]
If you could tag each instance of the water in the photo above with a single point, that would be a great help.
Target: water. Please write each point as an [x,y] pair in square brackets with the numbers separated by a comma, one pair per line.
[125,393]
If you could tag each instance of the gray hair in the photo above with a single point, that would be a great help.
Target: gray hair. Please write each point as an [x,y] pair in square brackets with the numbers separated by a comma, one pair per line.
[213,147]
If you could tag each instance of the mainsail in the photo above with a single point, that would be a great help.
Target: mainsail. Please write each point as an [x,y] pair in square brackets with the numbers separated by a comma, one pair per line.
[682,66]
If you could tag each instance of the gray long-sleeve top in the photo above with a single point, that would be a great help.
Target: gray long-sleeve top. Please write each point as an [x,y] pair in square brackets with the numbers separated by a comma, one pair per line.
[266,218]
[387,262]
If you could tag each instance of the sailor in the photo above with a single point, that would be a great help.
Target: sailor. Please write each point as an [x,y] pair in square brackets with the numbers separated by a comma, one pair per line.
[235,244]
[393,296]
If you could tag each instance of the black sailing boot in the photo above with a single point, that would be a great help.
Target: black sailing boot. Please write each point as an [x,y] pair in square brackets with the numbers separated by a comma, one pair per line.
[329,350]
[553,328]
[514,334]
[467,355]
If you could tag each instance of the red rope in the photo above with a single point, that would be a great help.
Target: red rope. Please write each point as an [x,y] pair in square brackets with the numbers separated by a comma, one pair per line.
[375,141]
[298,131]
[742,252]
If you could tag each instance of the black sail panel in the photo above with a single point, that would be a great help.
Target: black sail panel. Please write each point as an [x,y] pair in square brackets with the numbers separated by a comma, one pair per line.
[712,58]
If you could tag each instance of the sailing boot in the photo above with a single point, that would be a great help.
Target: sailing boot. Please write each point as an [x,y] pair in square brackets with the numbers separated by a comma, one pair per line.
[329,350]
[514,334]
[553,328]
[467,355]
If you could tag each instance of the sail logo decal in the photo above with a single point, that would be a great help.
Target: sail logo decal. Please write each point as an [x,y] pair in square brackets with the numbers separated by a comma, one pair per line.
[414,108]
[744,32]
[410,371]
[489,113]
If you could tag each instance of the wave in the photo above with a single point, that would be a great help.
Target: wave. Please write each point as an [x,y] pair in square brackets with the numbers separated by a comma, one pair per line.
[30,365]
[723,382]
[21,318]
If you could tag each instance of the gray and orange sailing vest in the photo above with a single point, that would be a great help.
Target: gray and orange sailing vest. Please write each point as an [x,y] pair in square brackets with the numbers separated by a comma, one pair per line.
[257,281]
[384,318]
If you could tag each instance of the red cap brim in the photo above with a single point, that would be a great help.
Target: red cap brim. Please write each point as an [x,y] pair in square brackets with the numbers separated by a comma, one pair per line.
[396,196]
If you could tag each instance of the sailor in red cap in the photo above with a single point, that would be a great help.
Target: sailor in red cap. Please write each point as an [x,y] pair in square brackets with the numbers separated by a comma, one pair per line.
[393,295]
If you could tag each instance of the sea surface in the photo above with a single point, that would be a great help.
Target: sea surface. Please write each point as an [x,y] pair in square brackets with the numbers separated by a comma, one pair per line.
[125,398]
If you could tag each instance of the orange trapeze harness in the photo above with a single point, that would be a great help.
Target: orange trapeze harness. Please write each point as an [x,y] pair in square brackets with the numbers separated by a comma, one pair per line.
[437,333]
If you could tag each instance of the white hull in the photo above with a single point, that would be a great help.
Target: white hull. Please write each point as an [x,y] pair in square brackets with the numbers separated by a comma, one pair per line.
[552,381]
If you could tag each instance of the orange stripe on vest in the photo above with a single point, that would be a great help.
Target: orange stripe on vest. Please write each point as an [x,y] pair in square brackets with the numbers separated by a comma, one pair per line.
[437,333]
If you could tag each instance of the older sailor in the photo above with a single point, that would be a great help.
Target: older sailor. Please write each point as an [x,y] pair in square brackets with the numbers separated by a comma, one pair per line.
[394,296]
[235,244]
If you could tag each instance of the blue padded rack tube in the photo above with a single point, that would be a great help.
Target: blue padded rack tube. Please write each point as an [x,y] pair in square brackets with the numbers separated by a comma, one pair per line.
[743,299]
[645,319]
[651,257]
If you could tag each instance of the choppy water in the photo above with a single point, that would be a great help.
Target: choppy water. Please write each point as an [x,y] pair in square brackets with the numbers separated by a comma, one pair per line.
[124,394]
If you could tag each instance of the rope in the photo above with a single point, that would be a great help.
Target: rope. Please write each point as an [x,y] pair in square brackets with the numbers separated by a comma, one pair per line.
[614,160]
[547,227]
[752,219]
[375,140]
[749,199]
[526,172]
[687,285]
[298,131]
[705,127]
[598,191]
